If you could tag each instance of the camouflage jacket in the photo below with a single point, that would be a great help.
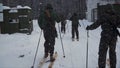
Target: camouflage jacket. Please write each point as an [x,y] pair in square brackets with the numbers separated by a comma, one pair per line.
[104,21]
[45,22]
[75,20]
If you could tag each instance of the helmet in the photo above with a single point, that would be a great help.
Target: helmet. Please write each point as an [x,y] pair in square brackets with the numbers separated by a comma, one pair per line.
[49,6]
[75,14]
[109,9]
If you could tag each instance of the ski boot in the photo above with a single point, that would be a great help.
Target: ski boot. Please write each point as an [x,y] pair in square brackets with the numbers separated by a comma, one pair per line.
[73,39]
[52,59]
[46,55]
[77,39]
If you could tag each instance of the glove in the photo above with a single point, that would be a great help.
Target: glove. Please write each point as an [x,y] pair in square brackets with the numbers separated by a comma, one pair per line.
[41,28]
[56,35]
[88,28]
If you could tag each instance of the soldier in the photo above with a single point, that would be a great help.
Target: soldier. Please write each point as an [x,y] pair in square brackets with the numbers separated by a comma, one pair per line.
[63,23]
[46,22]
[75,23]
[109,23]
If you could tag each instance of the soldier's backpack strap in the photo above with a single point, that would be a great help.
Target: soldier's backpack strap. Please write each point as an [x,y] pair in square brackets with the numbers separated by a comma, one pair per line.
[47,13]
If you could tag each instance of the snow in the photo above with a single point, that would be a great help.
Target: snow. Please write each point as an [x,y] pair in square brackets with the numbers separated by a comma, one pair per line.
[12,46]
[27,7]
[18,7]
[21,7]
[6,7]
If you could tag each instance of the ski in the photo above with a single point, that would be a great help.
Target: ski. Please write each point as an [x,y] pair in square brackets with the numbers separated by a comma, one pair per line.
[52,63]
[42,62]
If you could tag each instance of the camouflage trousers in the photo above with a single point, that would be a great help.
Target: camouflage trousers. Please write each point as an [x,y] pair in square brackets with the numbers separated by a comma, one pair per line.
[49,42]
[75,31]
[105,44]
[63,28]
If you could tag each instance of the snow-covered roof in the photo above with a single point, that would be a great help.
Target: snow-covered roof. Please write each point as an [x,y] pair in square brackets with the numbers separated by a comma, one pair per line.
[6,7]
[27,7]
[18,7]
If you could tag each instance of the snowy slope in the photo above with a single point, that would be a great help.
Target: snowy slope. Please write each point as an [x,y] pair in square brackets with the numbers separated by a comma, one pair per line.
[14,45]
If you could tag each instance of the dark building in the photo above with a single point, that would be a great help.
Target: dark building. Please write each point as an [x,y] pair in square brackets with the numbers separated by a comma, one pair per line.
[17,20]
[65,7]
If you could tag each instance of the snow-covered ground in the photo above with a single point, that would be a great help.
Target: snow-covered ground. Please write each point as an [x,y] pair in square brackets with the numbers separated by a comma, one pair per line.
[12,46]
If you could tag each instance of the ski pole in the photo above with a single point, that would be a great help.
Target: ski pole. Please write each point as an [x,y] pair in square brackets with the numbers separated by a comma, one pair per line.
[87,50]
[37,49]
[61,41]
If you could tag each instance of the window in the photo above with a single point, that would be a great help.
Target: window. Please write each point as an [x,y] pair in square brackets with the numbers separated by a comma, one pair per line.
[13,20]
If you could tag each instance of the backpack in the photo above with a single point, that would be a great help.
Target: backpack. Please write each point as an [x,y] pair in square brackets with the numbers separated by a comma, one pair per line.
[113,26]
